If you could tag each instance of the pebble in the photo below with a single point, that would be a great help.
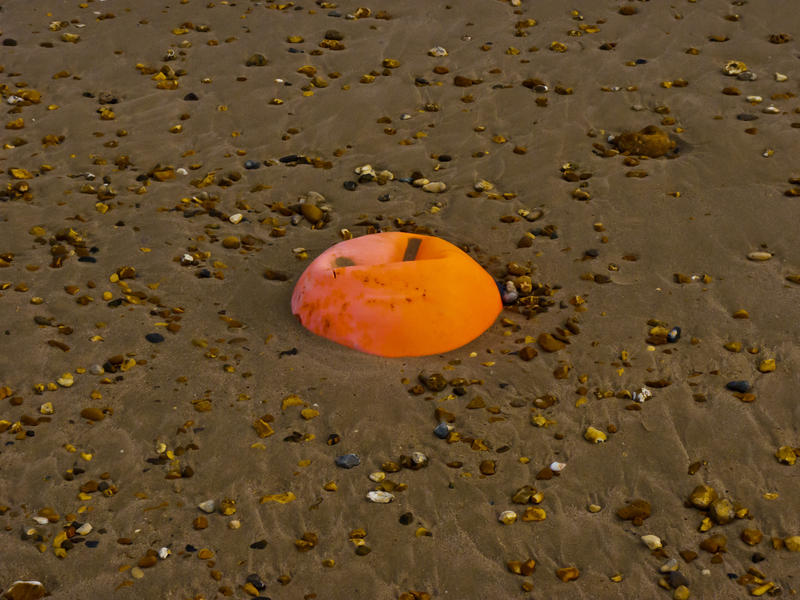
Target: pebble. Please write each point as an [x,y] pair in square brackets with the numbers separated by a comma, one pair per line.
[594,435]
[652,541]
[154,338]
[674,335]
[251,164]
[435,187]
[740,386]
[669,566]
[702,496]
[377,476]
[566,574]
[84,529]
[231,242]
[92,413]
[549,344]
[636,511]
[681,593]
[96,369]
[780,77]
[164,552]
[437,51]
[767,365]
[66,380]
[792,543]
[380,497]
[235,218]
[347,461]
[507,517]
[207,506]
[442,430]
[557,467]
[759,256]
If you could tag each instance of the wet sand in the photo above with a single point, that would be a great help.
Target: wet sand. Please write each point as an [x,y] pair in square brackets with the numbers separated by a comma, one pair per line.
[128,208]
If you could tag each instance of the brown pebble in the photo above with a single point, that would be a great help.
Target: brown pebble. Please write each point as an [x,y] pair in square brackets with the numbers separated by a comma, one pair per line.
[528,353]
[200,522]
[231,242]
[148,560]
[93,414]
[488,467]
[461,81]
[628,10]
[702,496]
[549,344]
[688,555]
[568,574]
[636,511]
[751,537]
[714,544]
[205,554]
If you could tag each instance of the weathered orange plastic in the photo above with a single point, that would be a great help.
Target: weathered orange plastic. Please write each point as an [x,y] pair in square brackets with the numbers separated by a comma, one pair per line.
[396,294]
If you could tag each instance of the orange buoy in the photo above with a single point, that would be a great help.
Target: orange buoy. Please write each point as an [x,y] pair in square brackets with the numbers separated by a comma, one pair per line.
[396,294]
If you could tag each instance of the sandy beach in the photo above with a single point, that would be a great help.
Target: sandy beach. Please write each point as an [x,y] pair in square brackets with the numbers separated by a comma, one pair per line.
[170,430]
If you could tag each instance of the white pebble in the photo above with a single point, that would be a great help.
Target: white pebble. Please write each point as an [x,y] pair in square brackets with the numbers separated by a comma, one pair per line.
[164,552]
[181,171]
[235,218]
[507,517]
[377,476]
[187,259]
[557,466]
[781,77]
[41,520]
[437,51]
[209,506]
[652,541]
[759,256]
[435,187]
[380,497]
[84,529]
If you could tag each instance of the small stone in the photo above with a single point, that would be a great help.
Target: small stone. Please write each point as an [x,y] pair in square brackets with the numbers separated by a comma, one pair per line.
[442,430]
[669,566]
[137,573]
[154,338]
[148,560]
[435,187]
[380,497]
[200,522]
[652,541]
[523,495]
[780,77]
[650,141]
[786,455]
[681,593]
[792,543]
[594,508]
[347,461]
[312,213]
[759,256]
[702,496]
[740,386]
[507,517]
[231,242]
[636,511]
[84,529]
[488,467]
[751,537]
[25,590]
[236,218]
[594,435]
[721,510]
[767,365]
[92,413]
[527,353]
[208,506]
[566,574]
[377,476]
[256,60]
[437,51]
[66,380]
[714,544]
[549,344]
[435,382]
[674,335]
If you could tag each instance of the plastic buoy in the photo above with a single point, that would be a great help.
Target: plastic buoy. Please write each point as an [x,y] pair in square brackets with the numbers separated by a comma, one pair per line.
[396,294]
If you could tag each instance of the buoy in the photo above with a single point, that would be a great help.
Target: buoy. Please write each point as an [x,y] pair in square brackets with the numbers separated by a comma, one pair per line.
[396,294]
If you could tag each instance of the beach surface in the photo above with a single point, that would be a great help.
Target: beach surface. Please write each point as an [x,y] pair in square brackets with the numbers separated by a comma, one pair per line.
[170,430]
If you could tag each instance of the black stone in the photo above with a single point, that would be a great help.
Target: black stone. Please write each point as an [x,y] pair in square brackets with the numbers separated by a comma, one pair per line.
[204,274]
[384,198]
[591,253]
[445,158]
[88,259]
[347,461]
[251,164]
[332,34]
[256,582]
[92,544]
[350,186]
[9,42]
[154,338]
[674,335]
[259,545]
[676,579]
[738,386]
[406,518]
[758,557]
[746,117]
[191,97]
